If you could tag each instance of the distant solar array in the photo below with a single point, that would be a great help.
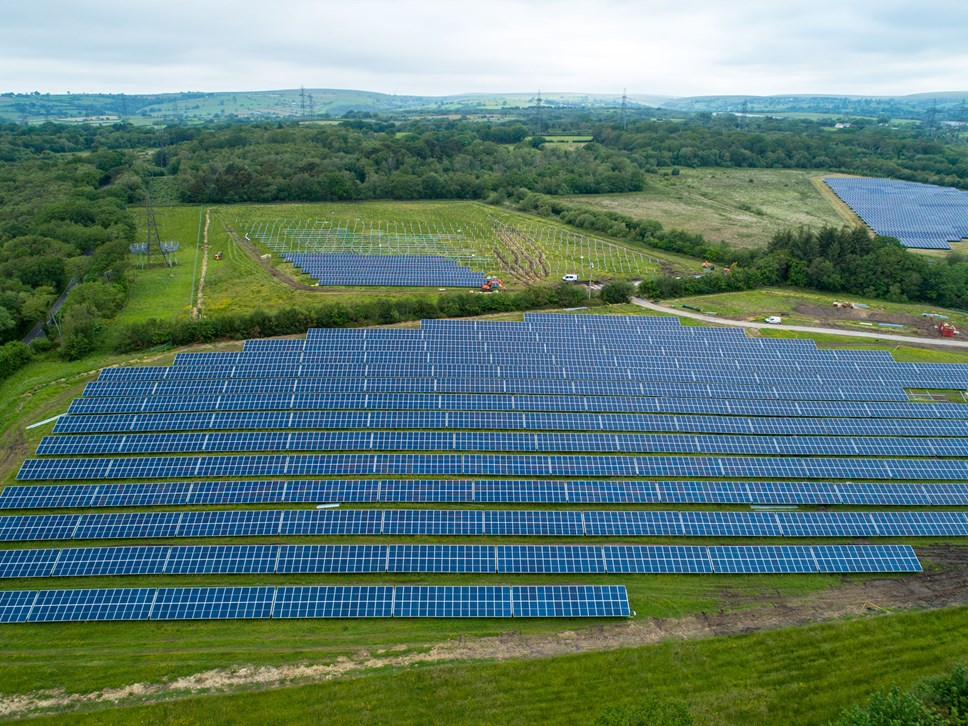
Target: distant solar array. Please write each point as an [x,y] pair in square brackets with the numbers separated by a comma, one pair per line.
[313,601]
[919,215]
[455,559]
[347,269]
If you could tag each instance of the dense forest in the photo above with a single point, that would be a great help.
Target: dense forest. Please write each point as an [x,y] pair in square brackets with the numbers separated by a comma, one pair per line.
[66,193]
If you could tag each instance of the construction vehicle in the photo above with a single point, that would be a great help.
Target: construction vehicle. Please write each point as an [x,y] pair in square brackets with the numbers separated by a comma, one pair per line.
[218,255]
[493,284]
[946,329]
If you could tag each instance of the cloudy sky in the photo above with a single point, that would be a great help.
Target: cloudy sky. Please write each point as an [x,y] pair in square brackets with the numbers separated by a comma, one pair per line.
[435,47]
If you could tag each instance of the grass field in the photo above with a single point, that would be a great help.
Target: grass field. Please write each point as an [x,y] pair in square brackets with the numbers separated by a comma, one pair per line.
[744,207]
[802,676]
[521,249]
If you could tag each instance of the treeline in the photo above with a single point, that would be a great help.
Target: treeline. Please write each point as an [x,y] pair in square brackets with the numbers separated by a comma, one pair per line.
[847,260]
[870,150]
[358,313]
[261,163]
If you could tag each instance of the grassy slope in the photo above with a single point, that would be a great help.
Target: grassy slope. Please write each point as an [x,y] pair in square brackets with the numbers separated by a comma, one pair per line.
[741,206]
[802,676]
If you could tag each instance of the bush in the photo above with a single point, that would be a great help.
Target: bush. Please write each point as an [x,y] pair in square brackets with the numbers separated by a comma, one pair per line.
[13,356]
[617,291]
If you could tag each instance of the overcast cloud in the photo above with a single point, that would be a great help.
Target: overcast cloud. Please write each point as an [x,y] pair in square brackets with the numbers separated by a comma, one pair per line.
[427,47]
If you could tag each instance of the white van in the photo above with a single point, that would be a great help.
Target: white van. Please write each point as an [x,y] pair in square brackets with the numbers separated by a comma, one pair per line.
[570,278]
[773,319]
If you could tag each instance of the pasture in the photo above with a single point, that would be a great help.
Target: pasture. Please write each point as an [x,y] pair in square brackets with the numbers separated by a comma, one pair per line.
[743,207]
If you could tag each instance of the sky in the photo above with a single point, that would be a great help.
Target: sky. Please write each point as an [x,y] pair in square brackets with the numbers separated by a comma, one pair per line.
[434,47]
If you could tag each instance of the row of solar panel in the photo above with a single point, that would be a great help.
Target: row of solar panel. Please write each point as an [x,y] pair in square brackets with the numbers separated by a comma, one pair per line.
[513,465]
[473,441]
[471,378]
[534,386]
[86,496]
[516,403]
[314,601]
[504,421]
[495,523]
[456,559]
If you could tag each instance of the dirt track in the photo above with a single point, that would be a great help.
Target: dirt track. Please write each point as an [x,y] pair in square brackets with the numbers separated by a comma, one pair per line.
[943,584]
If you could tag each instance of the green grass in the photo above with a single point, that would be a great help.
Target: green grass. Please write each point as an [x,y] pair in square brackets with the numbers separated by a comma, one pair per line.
[796,676]
[89,656]
[744,207]
[166,292]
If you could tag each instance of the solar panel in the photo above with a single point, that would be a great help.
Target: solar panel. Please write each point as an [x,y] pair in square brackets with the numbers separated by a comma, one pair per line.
[440,558]
[212,603]
[656,558]
[312,559]
[571,601]
[550,559]
[80,605]
[15,605]
[315,601]
[440,601]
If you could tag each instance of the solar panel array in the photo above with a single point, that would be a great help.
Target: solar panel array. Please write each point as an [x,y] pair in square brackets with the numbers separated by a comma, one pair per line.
[480,523]
[482,491]
[919,215]
[345,268]
[313,601]
[455,559]
[557,411]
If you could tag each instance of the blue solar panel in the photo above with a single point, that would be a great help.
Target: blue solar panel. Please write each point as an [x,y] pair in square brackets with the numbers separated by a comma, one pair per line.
[27,563]
[880,558]
[15,605]
[657,558]
[570,601]
[550,559]
[429,601]
[762,559]
[208,603]
[299,559]
[440,558]
[81,605]
[314,601]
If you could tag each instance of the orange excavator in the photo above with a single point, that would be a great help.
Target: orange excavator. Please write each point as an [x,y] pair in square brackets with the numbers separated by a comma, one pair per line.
[493,284]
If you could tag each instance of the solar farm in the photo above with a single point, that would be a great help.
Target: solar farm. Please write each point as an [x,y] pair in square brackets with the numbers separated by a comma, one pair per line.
[456,247]
[563,446]
[921,216]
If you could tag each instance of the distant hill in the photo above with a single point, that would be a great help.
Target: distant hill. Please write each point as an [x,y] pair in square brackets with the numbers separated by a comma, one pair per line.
[918,106]
[198,107]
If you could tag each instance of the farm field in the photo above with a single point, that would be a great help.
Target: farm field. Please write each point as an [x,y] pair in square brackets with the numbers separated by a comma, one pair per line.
[519,248]
[743,207]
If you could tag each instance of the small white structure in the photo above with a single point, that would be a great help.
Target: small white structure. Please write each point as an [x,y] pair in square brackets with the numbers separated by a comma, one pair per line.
[773,319]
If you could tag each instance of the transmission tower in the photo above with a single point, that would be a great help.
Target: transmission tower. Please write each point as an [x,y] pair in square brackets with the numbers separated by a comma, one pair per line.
[153,244]
[625,117]
[302,102]
[538,112]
